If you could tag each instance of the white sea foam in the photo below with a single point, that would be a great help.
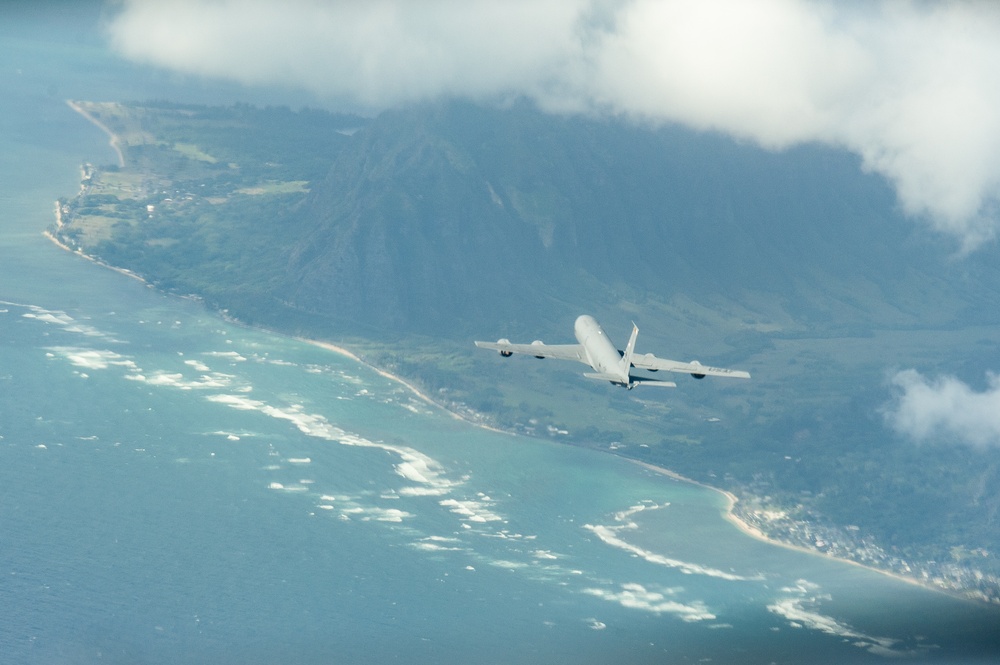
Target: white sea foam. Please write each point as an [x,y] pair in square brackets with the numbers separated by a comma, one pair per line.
[363,513]
[232,356]
[209,381]
[544,554]
[287,488]
[441,539]
[299,460]
[93,358]
[390,514]
[800,611]
[424,491]
[473,511]
[426,546]
[624,515]
[636,596]
[798,616]
[266,360]
[65,321]
[415,465]
[609,535]
[508,565]
[802,587]
[415,470]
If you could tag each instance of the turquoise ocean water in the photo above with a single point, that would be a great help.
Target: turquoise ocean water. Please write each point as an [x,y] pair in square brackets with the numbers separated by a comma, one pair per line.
[174,489]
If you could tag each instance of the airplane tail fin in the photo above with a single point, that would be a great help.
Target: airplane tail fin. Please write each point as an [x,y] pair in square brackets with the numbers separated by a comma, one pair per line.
[626,361]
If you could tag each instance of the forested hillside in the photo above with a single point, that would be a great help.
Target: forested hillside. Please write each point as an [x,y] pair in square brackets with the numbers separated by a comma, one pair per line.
[436,218]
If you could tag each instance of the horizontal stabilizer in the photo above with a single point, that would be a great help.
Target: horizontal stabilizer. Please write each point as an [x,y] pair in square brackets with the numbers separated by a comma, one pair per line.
[653,382]
[632,381]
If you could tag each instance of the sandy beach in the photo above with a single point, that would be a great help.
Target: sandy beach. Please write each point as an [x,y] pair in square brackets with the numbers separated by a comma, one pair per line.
[59,243]
[381,372]
[757,534]
[392,377]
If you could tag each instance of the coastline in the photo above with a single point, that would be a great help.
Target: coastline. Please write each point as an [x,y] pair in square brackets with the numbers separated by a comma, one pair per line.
[730,516]
[398,379]
[113,139]
[339,350]
[61,245]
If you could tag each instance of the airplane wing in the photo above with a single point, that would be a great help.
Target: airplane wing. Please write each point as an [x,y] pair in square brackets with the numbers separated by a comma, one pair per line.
[694,368]
[539,350]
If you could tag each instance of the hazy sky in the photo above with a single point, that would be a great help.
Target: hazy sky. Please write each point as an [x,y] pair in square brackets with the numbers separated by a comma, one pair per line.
[911,87]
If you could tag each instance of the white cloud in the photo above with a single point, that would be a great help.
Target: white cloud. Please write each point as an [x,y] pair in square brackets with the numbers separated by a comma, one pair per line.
[945,409]
[911,87]
[377,53]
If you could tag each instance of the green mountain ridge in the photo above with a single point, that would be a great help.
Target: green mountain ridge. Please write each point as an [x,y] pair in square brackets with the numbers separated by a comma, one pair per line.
[441,216]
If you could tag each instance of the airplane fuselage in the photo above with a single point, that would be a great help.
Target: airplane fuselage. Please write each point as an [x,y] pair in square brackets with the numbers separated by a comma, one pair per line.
[602,355]
[610,364]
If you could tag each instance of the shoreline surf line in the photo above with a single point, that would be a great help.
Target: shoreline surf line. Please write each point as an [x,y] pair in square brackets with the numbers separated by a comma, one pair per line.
[329,346]
[93,259]
[730,516]
[114,140]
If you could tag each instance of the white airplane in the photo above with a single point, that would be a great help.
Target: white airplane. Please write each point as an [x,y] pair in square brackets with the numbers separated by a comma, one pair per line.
[610,364]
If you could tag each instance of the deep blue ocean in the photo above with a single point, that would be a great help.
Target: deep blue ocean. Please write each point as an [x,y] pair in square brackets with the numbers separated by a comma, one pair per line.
[176,489]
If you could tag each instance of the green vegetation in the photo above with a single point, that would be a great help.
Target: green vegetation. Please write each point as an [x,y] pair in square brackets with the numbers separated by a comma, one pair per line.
[407,236]
[206,196]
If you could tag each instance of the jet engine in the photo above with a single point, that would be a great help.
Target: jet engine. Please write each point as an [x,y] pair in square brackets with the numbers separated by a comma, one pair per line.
[697,376]
[505,354]
[538,342]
